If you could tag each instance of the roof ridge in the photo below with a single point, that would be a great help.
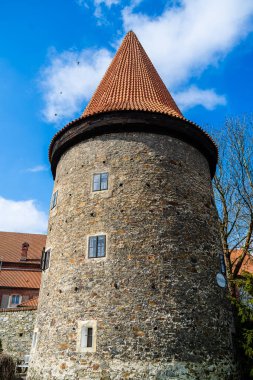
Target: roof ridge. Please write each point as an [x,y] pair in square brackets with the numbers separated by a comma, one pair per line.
[21,233]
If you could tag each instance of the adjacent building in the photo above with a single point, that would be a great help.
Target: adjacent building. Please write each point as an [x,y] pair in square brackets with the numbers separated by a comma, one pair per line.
[20,267]
[20,278]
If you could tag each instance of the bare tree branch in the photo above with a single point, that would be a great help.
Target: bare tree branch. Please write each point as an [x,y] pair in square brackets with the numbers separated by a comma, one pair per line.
[233,190]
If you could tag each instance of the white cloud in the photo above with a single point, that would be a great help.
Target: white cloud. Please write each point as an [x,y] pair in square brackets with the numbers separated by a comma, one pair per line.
[182,42]
[36,169]
[191,35]
[82,3]
[194,96]
[108,3]
[70,79]
[21,216]
[98,6]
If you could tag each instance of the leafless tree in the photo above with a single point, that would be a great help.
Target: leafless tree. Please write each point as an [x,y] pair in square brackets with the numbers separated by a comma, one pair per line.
[233,189]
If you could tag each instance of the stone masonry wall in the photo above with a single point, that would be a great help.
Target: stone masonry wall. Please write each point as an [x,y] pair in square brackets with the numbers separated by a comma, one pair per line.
[159,312]
[16,329]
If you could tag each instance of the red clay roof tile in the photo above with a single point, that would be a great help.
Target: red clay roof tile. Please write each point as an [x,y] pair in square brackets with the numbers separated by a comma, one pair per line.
[11,244]
[33,302]
[20,279]
[132,83]
[247,265]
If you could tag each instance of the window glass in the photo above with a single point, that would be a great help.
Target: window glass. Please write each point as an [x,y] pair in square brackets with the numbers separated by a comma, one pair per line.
[86,337]
[100,181]
[96,182]
[92,246]
[47,260]
[104,181]
[54,200]
[15,299]
[89,336]
[96,246]
[101,246]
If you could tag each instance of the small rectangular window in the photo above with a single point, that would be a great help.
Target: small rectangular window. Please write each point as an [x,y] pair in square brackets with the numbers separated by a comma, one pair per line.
[54,200]
[45,259]
[34,339]
[100,182]
[14,300]
[97,246]
[86,336]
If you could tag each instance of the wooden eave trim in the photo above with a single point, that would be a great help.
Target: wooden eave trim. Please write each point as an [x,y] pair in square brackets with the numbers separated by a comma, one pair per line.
[10,310]
[132,121]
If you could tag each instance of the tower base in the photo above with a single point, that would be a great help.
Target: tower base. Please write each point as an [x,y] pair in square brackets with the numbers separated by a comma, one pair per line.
[87,369]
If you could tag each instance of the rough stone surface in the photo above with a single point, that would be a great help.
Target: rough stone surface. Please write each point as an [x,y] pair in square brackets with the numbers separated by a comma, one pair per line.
[159,312]
[16,329]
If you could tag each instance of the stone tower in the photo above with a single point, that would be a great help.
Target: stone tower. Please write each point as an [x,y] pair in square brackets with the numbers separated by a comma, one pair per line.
[129,288]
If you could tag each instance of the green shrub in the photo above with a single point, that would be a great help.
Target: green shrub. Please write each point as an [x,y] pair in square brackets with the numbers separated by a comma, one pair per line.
[244,323]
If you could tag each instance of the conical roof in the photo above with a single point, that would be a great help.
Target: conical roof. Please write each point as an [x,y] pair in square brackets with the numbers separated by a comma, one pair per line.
[132,83]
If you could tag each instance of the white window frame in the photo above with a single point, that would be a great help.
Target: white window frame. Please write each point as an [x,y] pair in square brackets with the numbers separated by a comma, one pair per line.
[10,304]
[82,327]
[105,246]
[34,339]
[100,182]
[54,200]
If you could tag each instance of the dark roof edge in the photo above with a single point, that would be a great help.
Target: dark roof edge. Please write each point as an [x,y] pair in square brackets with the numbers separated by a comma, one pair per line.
[132,121]
[12,310]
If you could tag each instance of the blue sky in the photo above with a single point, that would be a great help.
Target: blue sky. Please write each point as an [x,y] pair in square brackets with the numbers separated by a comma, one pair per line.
[53,54]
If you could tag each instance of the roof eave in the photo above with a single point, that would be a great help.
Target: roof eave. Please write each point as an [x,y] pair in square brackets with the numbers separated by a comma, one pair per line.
[127,121]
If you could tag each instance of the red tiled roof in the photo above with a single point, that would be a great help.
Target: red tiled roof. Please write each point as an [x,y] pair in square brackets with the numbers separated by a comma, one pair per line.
[11,245]
[20,279]
[132,83]
[247,265]
[33,302]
